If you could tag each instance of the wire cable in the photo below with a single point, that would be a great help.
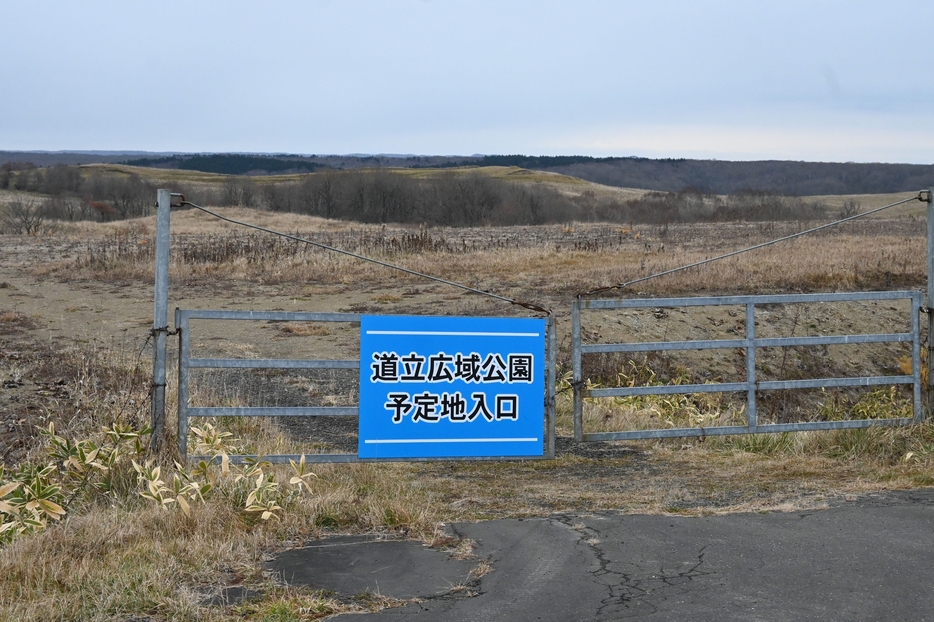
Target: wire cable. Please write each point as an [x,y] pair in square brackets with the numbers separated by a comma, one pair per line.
[921,197]
[526,305]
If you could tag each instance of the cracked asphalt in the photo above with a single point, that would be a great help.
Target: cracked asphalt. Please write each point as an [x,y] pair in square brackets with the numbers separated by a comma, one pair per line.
[868,559]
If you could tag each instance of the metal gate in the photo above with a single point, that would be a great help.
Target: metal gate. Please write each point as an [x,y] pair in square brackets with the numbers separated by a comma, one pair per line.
[186,363]
[750,343]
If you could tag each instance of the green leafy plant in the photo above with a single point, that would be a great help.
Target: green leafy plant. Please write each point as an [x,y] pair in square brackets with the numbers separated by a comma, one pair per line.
[185,487]
[252,487]
[301,474]
[264,497]
[28,502]
[209,440]
[34,495]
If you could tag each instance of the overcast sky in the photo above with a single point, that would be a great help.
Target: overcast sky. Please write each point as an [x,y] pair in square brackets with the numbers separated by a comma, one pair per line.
[791,80]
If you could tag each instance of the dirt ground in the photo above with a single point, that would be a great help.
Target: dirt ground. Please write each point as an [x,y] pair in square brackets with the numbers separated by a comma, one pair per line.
[49,314]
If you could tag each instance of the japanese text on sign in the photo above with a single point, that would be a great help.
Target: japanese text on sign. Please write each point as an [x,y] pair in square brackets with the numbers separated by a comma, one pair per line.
[440,367]
[451,387]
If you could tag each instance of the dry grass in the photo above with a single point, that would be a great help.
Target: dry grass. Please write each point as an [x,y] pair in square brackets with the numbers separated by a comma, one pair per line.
[304,329]
[142,560]
[914,209]
[125,557]
[118,555]
[559,260]
[11,321]
[116,558]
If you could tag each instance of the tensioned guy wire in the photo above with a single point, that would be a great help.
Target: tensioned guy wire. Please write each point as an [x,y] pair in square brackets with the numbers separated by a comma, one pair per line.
[920,197]
[526,305]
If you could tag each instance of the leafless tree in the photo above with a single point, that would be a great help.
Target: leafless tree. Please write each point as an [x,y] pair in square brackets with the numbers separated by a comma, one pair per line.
[850,207]
[27,217]
[241,193]
[67,208]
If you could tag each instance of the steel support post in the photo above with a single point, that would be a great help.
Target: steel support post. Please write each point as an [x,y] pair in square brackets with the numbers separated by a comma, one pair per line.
[160,327]
[577,377]
[181,325]
[551,345]
[751,415]
[930,302]
[916,389]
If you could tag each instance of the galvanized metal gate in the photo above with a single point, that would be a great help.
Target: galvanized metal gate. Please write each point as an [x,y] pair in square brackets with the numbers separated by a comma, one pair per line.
[186,363]
[750,385]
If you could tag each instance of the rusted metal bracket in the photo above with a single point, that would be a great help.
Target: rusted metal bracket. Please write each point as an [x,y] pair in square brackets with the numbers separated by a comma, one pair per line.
[154,332]
[176,199]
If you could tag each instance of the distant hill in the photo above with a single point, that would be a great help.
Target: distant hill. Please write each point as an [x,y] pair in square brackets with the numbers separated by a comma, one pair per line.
[668,175]
[72,158]
[724,177]
[232,164]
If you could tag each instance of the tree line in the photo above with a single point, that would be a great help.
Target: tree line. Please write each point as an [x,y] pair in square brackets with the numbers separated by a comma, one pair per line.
[723,177]
[383,196]
[66,194]
[448,198]
[231,164]
[693,205]
[665,175]
[471,198]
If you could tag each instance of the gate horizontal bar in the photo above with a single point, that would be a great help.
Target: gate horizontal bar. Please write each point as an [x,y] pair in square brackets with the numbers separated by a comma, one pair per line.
[833,340]
[768,342]
[272,364]
[816,383]
[724,387]
[335,458]
[272,411]
[277,316]
[653,346]
[719,301]
[667,389]
[805,426]
[671,433]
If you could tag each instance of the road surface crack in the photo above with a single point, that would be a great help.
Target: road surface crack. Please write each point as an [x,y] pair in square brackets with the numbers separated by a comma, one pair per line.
[640,591]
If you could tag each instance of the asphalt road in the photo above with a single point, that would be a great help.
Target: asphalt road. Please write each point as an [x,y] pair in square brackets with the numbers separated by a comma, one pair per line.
[869,559]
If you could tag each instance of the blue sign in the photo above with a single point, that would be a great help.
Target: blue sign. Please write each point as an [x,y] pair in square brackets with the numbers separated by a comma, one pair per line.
[451,387]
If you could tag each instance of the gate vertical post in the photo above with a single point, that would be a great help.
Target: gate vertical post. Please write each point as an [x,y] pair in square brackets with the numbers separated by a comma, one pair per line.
[577,377]
[930,302]
[918,410]
[181,325]
[751,415]
[550,388]
[160,326]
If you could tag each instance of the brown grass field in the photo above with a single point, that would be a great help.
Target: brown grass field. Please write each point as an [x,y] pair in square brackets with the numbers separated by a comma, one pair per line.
[76,309]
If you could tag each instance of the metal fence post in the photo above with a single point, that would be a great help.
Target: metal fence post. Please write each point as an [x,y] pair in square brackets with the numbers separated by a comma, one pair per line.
[916,375]
[930,302]
[160,326]
[751,415]
[181,325]
[577,377]
[550,388]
